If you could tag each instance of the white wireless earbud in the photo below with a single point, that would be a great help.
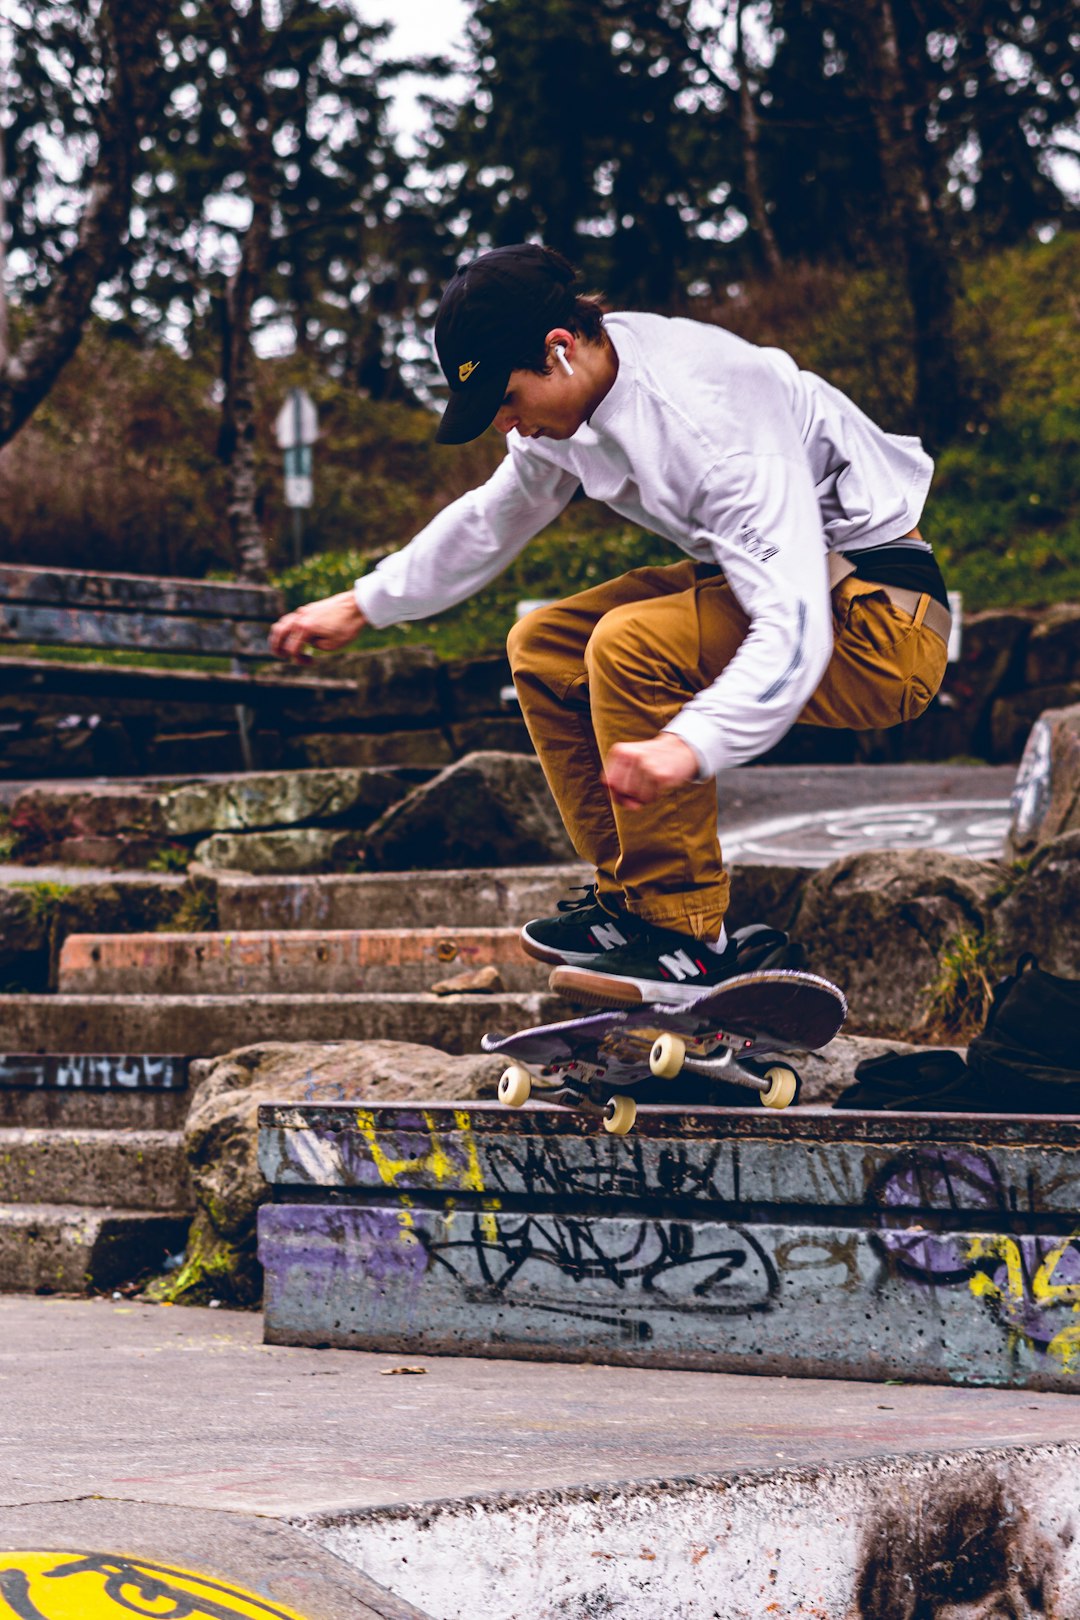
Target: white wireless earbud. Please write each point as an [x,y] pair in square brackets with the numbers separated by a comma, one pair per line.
[560,355]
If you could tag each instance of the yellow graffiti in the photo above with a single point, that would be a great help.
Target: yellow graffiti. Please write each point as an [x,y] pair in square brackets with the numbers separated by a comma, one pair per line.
[435,1162]
[108,1586]
[1013,1295]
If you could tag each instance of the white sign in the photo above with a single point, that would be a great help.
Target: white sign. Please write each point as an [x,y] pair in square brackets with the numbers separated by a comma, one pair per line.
[297,422]
[298,491]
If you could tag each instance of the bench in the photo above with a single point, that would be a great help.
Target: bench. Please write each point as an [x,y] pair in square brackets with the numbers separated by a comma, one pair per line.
[67,607]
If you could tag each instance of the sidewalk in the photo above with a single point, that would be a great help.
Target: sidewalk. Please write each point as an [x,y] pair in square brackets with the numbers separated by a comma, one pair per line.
[179,1437]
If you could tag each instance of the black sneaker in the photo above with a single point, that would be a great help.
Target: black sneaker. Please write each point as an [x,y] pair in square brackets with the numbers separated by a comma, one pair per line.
[669,968]
[582,932]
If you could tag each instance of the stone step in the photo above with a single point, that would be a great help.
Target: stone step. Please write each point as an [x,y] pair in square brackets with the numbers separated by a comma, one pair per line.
[46,814]
[71,1249]
[277,962]
[452,899]
[816,1243]
[203,1026]
[93,1091]
[117,1169]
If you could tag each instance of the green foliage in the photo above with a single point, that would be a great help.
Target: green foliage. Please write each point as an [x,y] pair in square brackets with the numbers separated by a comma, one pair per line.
[44,898]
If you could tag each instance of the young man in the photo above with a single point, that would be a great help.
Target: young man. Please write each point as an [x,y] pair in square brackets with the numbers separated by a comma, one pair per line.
[806,592]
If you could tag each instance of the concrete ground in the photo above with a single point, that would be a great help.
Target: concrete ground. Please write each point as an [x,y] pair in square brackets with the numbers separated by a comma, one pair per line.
[178,1436]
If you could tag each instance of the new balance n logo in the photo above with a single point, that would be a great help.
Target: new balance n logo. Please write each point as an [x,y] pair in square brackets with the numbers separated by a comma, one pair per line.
[607,936]
[681,966]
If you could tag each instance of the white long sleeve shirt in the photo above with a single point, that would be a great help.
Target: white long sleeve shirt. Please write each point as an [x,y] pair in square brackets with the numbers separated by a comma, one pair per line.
[733,454]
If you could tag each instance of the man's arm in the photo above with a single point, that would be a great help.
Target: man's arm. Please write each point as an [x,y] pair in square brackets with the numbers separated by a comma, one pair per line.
[465,547]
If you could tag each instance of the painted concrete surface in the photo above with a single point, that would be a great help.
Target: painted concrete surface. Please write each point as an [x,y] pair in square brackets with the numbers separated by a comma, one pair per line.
[969,1538]
[512,1488]
[816,1242]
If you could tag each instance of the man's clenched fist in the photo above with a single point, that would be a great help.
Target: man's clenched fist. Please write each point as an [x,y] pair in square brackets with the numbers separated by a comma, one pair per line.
[638,773]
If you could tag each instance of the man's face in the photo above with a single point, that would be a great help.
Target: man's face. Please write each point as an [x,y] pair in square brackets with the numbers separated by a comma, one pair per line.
[542,407]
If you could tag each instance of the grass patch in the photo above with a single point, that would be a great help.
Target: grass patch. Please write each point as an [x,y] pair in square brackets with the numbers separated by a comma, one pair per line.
[196,913]
[960,998]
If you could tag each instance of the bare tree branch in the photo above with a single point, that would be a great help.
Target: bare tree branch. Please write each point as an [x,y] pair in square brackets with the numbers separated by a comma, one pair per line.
[129,51]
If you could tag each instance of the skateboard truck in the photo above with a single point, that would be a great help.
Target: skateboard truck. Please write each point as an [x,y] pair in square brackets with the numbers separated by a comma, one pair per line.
[668,1057]
[778,1087]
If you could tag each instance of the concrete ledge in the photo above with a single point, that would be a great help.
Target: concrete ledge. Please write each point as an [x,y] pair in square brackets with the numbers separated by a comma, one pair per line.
[813,1243]
[897,1536]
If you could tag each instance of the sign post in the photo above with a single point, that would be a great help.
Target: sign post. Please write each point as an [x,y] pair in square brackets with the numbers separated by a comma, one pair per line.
[297,428]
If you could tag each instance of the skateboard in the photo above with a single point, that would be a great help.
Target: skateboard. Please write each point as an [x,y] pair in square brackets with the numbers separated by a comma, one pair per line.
[592,1062]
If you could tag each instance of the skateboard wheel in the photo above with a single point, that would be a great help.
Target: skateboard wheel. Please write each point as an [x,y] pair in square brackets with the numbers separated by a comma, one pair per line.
[666,1057]
[515,1086]
[619,1115]
[783,1084]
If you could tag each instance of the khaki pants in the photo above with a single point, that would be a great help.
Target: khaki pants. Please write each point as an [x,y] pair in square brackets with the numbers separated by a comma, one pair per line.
[616,663]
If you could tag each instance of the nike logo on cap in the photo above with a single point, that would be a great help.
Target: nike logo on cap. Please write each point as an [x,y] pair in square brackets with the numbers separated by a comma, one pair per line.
[466,369]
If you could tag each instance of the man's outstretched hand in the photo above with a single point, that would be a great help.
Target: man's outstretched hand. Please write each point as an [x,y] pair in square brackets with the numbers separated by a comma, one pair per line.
[639,773]
[328,625]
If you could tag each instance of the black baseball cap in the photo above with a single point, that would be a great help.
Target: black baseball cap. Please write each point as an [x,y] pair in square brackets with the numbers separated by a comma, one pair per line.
[496,309]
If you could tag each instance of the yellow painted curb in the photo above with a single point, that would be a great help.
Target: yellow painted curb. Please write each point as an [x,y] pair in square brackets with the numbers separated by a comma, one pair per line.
[110,1586]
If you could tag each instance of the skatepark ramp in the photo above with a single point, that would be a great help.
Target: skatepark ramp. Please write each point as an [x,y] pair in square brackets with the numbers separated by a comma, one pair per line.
[813,1243]
[863,1541]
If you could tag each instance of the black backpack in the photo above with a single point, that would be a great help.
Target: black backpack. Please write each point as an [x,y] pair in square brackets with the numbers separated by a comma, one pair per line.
[1028,1055]
[1025,1061]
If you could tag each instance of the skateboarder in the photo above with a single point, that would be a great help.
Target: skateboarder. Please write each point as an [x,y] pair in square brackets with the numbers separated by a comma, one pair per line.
[806,591]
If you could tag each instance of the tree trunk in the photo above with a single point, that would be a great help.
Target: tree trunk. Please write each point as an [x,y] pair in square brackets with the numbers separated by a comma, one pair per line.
[938,383]
[4,339]
[750,128]
[236,444]
[129,56]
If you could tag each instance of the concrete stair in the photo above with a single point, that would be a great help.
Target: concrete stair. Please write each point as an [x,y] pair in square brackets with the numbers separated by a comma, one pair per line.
[93,1180]
[93,1074]
[270,962]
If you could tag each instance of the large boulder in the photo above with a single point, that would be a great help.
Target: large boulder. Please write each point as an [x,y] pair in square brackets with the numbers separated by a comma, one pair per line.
[880,923]
[277,799]
[488,810]
[1046,798]
[1041,912]
[221,1134]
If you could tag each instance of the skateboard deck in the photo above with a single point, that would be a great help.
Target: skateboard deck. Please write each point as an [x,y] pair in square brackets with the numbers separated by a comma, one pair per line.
[593,1062]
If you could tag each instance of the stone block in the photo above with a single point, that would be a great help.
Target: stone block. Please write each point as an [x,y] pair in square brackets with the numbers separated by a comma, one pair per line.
[404,683]
[221,1135]
[335,750]
[1041,913]
[1046,798]
[292,849]
[1053,649]
[1012,718]
[476,685]
[269,799]
[508,734]
[488,810]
